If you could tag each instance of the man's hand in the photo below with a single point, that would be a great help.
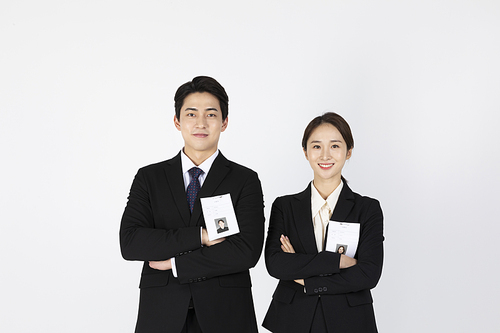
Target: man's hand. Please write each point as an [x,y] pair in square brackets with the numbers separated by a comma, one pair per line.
[346,262]
[206,242]
[164,265]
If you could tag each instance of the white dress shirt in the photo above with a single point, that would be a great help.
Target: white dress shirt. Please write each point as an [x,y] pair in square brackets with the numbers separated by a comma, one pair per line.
[322,210]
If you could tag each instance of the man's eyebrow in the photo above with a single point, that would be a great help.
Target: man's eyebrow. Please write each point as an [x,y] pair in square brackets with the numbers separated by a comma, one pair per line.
[195,109]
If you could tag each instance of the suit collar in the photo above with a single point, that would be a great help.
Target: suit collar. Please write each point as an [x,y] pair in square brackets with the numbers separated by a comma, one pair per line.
[217,173]
[344,204]
[187,164]
[173,172]
[302,214]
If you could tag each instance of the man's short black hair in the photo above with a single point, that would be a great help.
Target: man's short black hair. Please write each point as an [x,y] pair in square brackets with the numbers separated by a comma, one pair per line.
[202,84]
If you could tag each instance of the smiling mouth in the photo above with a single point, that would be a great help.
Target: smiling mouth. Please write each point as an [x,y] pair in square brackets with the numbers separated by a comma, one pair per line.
[200,135]
[325,166]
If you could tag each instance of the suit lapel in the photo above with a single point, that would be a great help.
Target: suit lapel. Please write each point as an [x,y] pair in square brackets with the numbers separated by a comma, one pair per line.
[216,175]
[173,172]
[303,220]
[344,205]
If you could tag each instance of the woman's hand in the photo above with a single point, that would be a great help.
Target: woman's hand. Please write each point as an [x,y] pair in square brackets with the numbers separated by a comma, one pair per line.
[287,247]
[346,262]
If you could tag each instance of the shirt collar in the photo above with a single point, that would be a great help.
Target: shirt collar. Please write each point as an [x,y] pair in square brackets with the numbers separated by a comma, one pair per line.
[317,200]
[205,166]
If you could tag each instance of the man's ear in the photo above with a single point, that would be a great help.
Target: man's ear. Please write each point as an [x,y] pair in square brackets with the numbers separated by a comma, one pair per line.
[177,123]
[224,124]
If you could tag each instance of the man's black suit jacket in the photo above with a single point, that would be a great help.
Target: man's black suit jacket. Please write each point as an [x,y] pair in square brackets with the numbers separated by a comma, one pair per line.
[345,294]
[157,225]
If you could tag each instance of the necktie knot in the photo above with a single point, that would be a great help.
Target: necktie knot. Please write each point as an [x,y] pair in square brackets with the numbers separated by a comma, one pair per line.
[195,172]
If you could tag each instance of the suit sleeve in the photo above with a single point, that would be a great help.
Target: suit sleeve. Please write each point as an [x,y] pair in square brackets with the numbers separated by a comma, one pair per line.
[366,273]
[238,252]
[139,240]
[292,266]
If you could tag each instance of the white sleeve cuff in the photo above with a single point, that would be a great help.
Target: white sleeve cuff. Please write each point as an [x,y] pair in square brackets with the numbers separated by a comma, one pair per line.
[174,268]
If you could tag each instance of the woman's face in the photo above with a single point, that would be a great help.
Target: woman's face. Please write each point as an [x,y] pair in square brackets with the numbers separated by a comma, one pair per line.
[327,153]
[341,250]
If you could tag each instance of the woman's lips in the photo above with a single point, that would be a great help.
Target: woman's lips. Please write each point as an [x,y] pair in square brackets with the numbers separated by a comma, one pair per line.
[325,165]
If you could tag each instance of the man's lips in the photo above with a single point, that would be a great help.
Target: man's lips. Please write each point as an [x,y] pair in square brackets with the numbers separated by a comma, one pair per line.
[325,165]
[200,135]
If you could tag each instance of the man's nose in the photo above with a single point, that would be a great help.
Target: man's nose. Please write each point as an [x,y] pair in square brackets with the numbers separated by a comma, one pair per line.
[201,122]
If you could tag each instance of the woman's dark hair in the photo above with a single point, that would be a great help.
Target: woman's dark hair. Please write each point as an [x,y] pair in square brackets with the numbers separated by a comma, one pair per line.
[202,84]
[335,120]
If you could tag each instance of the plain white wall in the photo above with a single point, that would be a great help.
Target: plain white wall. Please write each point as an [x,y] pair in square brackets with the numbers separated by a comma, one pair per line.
[86,98]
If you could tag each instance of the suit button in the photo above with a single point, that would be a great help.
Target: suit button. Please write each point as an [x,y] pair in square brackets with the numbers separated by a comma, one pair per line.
[320,289]
[199,280]
[190,280]
[204,278]
[316,291]
[324,289]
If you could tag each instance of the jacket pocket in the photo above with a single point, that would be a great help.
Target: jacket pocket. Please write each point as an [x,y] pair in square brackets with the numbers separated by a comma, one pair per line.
[241,279]
[284,294]
[154,280]
[360,297]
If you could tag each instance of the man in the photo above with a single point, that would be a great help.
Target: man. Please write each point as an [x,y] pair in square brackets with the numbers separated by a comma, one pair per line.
[186,278]
[221,227]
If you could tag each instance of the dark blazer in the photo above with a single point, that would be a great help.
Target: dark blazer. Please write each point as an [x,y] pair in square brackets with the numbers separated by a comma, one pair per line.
[345,294]
[157,225]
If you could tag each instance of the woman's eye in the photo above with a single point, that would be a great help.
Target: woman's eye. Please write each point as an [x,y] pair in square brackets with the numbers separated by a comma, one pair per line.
[335,146]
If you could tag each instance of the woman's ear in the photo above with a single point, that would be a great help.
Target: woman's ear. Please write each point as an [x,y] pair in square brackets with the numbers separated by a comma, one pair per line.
[349,154]
[305,153]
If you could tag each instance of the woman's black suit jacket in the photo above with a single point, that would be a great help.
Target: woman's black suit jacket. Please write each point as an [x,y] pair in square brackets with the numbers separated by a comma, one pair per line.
[345,294]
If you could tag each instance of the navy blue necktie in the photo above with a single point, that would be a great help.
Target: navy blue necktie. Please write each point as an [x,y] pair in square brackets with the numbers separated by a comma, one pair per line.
[193,187]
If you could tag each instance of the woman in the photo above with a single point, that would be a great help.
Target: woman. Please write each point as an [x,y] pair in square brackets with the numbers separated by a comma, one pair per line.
[323,291]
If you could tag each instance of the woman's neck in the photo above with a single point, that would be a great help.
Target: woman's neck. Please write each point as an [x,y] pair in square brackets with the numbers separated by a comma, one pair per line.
[326,187]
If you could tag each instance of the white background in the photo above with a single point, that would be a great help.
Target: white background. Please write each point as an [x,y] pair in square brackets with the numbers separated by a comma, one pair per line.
[86,98]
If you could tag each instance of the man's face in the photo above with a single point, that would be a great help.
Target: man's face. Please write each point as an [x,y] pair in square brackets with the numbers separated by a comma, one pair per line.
[200,123]
[221,224]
